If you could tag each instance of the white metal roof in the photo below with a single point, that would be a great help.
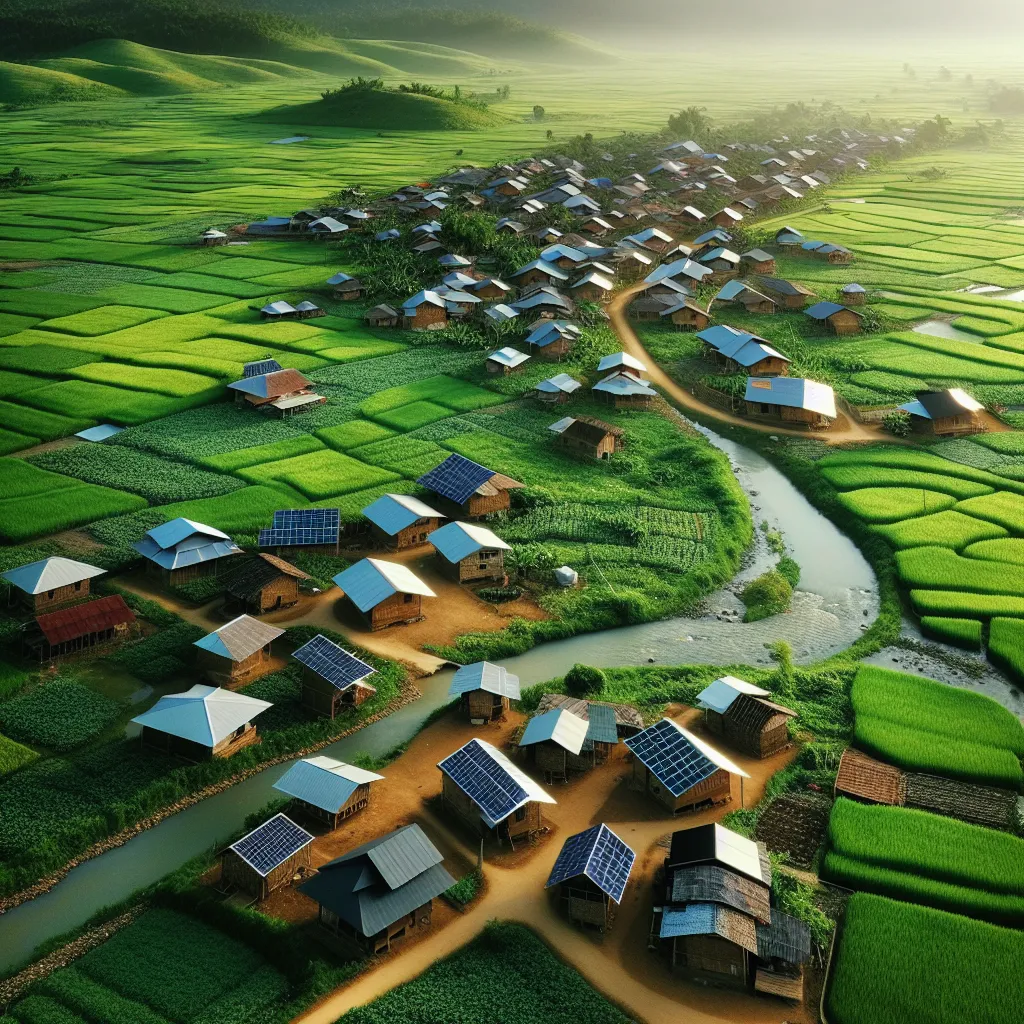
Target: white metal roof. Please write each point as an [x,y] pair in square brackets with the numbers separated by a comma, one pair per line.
[240,638]
[394,512]
[508,356]
[50,574]
[457,541]
[324,782]
[558,725]
[483,675]
[719,695]
[203,714]
[613,362]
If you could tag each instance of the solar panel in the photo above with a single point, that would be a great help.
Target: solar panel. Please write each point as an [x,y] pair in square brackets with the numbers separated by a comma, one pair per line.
[484,781]
[261,367]
[457,478]
[331,662]
[302,526]
[270,845]
[601,726]
[676,763]
[600,855]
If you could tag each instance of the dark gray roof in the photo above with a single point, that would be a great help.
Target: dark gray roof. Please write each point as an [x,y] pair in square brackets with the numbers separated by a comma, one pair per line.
[786,938]
[381,881]
[709,883]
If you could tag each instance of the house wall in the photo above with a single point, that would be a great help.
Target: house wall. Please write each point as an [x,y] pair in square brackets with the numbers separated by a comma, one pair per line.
[44,651]
[233,674]
[844,322]
[48,600]
[550,760]
[713,790]
[690,319]
[479,705]
[489,291]
[189,751]
[710,956]
[492,561]
[282,592]
[791,301]
[325,699]
[762,267]
[556,350]
[395,609]
[455,801]
[485,504]
[582,901]
[521,823]
[967,423]
[534,276]
[590,293]
[626,401]
[427,317]
[771,366]
[413,535]
[788,414]
[764,306]
[601,450]
[358,801]
[235,870]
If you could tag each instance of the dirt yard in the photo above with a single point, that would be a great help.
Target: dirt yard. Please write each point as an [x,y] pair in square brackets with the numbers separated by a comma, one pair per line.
[618,963]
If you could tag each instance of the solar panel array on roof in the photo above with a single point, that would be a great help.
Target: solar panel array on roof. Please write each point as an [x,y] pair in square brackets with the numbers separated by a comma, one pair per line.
[270,845]
[600,855]
[260,367]
[672,756]
[477,774]
[457,478]
[331,662]
[301,527]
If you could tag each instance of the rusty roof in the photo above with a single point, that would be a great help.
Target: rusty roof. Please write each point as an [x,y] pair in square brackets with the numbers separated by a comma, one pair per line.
[81,620]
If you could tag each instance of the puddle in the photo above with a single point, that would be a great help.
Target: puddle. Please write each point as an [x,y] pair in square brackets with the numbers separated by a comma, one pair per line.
[943,329]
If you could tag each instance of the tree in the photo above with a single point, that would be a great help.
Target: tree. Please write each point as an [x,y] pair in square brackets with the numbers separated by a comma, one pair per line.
[693,122]
[584,681]
[538,112]
[549,134]
[897,422]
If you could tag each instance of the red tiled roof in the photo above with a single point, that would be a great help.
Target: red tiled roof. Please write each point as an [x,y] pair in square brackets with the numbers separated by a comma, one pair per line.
[81,620]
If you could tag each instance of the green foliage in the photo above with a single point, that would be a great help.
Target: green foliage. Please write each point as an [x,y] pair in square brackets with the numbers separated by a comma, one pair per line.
[851,476]
[322,568]
[14,755]
[60,714]
[200,590]
[892,504]
[926,954]
[40,514]
[466,889]
[1001,508]
[1006,646]
[536,986]
[897,423]
[945,569]
[175,383]
[584,681]
[162,655]
[950,528]
[243,458]
[964,633]
[767,595]
[353,434]
[321,474]
[93,1001]
[789,569]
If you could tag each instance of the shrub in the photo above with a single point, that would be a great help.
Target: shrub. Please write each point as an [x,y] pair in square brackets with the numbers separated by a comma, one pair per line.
[789,569]
[200,590]
[897,422]
[584,681]
[14,755]
[1006,646]
[162,655]
[60,714]
[767,595]
[964,633]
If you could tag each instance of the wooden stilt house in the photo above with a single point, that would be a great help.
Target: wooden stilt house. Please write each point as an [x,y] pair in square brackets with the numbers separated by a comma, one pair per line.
[332,679]
[591,873]
[327,790]
[484,691]
[268,857]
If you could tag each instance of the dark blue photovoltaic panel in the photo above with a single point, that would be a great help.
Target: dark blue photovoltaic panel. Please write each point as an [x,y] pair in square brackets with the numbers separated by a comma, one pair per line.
[331,662]
[259,368]
[302,526]
[484,781]
[600,855]
[673,760]
[272,844]
[457,478]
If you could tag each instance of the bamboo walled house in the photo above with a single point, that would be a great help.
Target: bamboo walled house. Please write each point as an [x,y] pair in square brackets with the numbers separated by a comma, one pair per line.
[79,628]
[263,583]
[326,789]
[50,583]
[744,717]
[267,858]
[400,521]
[238,652]
[484,691]
[332,679]
[184,550]
[383,593]
[591,873]
[474,489]
[468,552]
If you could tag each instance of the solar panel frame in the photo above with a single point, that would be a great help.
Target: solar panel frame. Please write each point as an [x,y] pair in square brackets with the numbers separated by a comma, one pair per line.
[260,367]
[302,527]
[269,845]
[598,854]
[676,763]
[457,478]
[333,663]
[477,775]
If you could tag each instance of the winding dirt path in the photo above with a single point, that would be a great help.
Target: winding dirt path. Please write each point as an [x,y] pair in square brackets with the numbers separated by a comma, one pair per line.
[617,963]
[844,430]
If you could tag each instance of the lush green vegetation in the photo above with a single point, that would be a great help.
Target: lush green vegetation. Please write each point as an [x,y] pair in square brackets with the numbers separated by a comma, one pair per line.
[14,755]
[767,595]
[958,632]
[920,960]
[535,986]
[1006,645]
[59,714]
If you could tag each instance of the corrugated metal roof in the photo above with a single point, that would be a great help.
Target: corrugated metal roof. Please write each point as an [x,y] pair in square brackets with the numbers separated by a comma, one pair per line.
[92,617]
[624,384]
[373,580]
[177,530]
[685,267]
[560,382]
[240,638]
[202,714]
[324,782]
[429,297]
[617,359]
[793,392]
[394,512]
[50,574]
[720,694]
[710,919]
[483,675]
[457,541]
[508,356]
[786,938]
[559,726]
[548,269]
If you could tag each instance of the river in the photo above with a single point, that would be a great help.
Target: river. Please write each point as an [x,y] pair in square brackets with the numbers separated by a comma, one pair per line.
[837,599]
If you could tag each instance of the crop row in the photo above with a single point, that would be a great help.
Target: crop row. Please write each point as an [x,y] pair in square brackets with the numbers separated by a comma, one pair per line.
[945,569]
[59,714]
[893,504]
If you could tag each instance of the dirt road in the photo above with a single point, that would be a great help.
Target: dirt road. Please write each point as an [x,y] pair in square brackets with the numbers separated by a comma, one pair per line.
[843,431]
[617,963]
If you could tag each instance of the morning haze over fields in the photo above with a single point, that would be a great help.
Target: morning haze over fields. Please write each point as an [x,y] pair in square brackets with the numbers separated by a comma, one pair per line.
[511,514]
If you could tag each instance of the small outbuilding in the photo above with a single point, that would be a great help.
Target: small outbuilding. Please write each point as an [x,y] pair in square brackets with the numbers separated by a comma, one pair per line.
[505,361]
[200,723]
[382,315]
[345,287]
[183,550]
[757,261]
[592,872]
[425,311]
[587,436]
[213,237]
[475,489]
[553,339]
[238,652]
[50,583]
[484,691]
[332,679]
[381,891]
[679,770]
[744,717]
[627,721]
[947,413]
[787,294]
[327,790]
[468,552]
[553,740]
[484,789]
[687,314]
[269,857]
[625,390]
[263,583]
[862,778]
[854,294]
[80,627]
[556,390]
[400,521]
[384,593]
[838,319]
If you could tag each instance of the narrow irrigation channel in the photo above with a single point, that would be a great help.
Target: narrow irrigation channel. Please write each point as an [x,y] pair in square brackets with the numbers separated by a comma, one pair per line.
[836,601]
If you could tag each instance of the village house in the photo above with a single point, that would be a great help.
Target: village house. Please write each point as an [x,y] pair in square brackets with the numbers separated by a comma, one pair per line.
[830,253]
[327,790]
[854,294]
[237,653]
[457,280]
[727,217]
[788,294]
[744,717]
[332,679]
[755,302]
[596,226]
[508,226]
[556,390]
[454,261]
[685,271]
[262,584]
[326,227]
[356,219]
[793,400]
[648,307]
[757,261]
[484,691]
[345,287]
[184,550]
[424,311]
[203,722]
[489,288]
[724,262]
[631,264]
[625,390]
[297,530]
[505,361]
[381,891]
[213,237]
[545,302]
[947,413]
[687,314]
[739,352]
[787,236]
[653,239]
[306,310]
[468,552]
[49,583]
[626,720]
[499,314]
[838,319]
[488,793]
[565,256]
[553,742]
[389,235]
[382,316]
[384,593]
[269,857]
[458,304]
[591,872]
[279,393]
[584,435]
[679,770]
[400,521]
[476,490]
[592,287]
[81,627]
[539,271]
[553,339]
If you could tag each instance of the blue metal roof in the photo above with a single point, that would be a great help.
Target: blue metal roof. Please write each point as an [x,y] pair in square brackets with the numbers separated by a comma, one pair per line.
[183,542]
[823,310]
[601,727]
[548,269]
[372,580]
[457,541]
[483,675]
[695,919]
[558,725]
[50,574]
[99,433]
[598,854]
[794,392]
[392,513]
[203,714]
[324,782]
[714,235]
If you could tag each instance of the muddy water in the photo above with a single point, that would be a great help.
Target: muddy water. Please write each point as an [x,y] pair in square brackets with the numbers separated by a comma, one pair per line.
[836,601]
[944,329]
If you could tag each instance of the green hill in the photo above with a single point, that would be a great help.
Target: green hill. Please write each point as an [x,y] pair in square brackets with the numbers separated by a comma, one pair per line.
[386,109]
